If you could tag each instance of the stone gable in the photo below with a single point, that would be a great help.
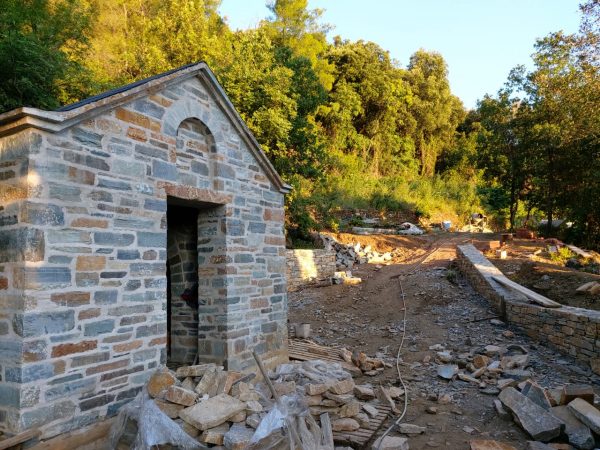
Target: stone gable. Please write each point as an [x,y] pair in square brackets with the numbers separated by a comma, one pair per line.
[138,228]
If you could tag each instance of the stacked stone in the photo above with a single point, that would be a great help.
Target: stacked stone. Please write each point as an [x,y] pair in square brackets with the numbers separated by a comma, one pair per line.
[83,251]
[347,255]
[224,408]
[306,266]
[572,331]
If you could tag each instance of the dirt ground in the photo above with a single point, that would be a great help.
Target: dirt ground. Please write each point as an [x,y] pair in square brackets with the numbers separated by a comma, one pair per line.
[546,277]
[441,308]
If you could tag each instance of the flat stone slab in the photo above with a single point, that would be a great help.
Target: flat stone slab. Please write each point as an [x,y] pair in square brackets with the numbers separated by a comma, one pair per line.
[579,434]
[586,413]
[391,443]
[212,412]
[535,420]
[194,371]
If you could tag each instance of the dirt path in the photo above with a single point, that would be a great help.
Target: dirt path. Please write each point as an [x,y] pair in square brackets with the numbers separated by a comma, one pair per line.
[441,309]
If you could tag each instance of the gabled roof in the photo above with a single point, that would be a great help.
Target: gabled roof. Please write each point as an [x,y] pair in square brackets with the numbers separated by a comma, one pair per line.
[67,116]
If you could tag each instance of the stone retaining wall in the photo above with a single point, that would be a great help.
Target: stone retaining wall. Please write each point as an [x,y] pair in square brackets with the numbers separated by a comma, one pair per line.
[304,266]
[572,331]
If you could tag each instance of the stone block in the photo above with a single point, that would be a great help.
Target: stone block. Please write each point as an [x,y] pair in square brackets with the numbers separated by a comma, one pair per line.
[350,409]
[363,392]
[343,386]
[170,409]
[315,389]
[535,420]
[215,435]
[99,327]
[113,239]
[210,382]
[586,413]
[22,244]
[42,277]
[238,437]
[345,424]
[181,396]
[40,324]
[572,391]
[42,214]
[212,412]
[537,394]
[579,434]
[390,443]
[160,381]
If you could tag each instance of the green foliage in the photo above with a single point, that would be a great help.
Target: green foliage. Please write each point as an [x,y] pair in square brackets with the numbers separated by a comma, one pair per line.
[562,255]
[539,138]
[41,42]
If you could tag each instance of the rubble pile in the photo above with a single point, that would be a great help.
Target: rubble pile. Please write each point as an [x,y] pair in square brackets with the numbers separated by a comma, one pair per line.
[347,255]
[227,410]
[366,365]
[558,415]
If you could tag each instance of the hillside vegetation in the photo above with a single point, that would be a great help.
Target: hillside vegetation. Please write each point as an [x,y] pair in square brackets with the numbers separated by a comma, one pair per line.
[344,123]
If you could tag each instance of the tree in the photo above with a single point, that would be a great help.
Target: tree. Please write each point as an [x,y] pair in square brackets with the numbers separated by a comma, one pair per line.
[298,28]
[367,105]
[436,111]
[41,42]
[133,39]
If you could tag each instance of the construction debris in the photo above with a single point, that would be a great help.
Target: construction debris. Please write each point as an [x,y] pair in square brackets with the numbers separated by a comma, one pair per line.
[347,255]
[203,405]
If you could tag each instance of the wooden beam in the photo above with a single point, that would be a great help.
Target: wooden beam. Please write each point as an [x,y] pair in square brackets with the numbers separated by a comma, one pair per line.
[19,439]
[531,295]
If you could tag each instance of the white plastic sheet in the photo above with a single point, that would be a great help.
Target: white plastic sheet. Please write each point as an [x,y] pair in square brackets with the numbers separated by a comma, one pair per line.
[154,426]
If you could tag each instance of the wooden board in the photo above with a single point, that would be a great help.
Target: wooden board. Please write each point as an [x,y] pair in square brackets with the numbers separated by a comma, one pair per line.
[360,437]
[304,350]
[19,439]
[533,296]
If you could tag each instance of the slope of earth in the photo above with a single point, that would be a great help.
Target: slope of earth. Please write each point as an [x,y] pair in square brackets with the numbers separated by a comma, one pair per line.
[441,309]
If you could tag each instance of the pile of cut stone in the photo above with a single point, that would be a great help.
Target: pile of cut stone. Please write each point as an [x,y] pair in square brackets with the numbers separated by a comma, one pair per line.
[564,414]
[224,409]
[347,255]
[365,364]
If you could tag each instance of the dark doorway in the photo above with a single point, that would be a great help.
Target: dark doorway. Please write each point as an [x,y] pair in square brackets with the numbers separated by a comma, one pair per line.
[182,283]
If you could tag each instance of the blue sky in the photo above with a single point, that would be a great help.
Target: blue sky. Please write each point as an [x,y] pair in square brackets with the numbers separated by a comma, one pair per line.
[481,40]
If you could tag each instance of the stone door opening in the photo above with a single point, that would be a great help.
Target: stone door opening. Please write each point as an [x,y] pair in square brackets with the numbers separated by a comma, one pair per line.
[182,283]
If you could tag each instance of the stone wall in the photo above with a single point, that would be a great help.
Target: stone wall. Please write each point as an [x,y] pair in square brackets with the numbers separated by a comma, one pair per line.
[83,253]
[572,331]
[304,266]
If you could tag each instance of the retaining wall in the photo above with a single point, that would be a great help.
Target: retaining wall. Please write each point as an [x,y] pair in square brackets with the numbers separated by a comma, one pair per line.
[304,266]
[572,331]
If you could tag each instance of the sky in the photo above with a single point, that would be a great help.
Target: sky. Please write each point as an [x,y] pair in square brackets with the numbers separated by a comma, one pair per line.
[481,40]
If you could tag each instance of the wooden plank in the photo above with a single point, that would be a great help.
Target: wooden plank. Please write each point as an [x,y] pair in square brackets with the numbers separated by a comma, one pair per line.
[533,296]
[363,435]
[19,438]
[302,350]
[84,438]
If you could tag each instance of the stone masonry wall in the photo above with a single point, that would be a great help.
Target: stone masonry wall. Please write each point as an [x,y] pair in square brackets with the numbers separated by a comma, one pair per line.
[83,256]
[572,331]
[304,266]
